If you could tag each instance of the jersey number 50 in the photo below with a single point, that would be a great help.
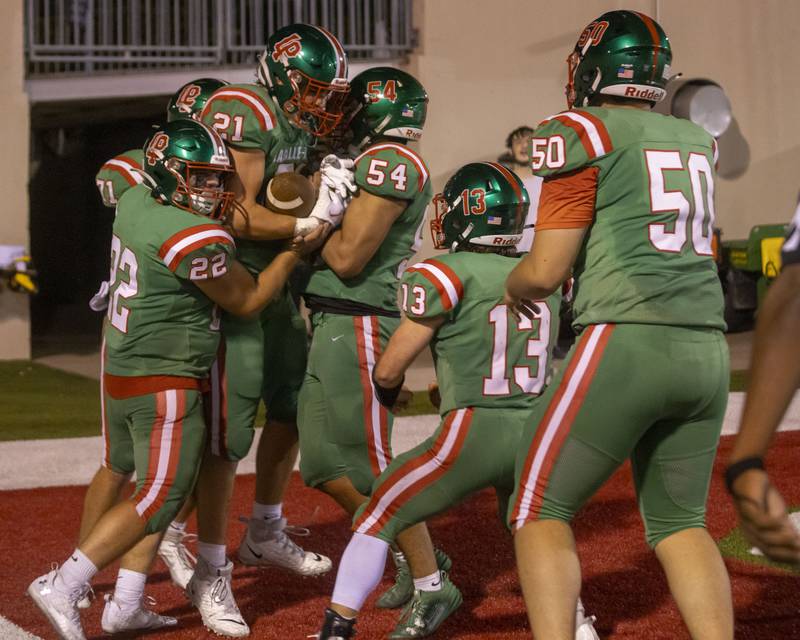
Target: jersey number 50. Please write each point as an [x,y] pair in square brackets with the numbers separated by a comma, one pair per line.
[697,213]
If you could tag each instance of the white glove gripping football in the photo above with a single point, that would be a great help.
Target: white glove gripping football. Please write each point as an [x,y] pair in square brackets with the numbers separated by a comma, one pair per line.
[328,208]
[337,174]
[99,301]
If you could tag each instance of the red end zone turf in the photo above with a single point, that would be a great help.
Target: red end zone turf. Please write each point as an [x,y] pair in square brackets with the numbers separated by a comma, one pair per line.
[623,584]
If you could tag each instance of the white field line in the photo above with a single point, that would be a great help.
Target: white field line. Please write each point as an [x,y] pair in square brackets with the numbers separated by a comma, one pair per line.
[10,631]
[26,464]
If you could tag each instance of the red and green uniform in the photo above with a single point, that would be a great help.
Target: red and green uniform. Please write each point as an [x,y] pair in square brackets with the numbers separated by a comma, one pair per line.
[490,368]
[648,304]
[119,174]
[159,340]
[263,358]
[344,431]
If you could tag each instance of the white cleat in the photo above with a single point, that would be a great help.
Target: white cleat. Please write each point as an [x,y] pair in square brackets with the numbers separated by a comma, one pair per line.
[60,606]
[584,625]
[266,543]
[210,591]
[115,620]
[177,557]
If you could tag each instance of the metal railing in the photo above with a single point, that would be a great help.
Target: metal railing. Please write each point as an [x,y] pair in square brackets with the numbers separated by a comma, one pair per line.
[86,36]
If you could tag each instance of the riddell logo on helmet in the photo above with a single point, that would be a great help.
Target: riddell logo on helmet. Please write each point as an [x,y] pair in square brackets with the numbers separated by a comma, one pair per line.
[505,242]
[289,47]
[644,94]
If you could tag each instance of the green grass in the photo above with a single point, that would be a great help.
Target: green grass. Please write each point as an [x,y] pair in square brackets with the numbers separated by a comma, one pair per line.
[735,546]
[41,402]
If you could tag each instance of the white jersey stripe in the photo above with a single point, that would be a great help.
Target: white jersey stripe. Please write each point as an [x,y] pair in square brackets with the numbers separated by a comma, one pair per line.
[417,474]
[591,131]
[164,452]
[441,277]
[403,151]
[132,170]
[553,425]
[250,100]
[219,234]
[370,327]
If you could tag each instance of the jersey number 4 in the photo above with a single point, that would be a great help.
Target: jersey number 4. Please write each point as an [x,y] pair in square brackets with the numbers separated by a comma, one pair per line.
[695,217]
[498,382]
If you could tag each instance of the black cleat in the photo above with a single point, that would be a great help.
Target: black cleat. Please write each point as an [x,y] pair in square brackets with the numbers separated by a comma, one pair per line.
[337,627]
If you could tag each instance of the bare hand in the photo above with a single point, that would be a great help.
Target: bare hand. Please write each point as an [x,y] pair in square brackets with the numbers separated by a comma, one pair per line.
[764,518]
[303,245]
[520,307]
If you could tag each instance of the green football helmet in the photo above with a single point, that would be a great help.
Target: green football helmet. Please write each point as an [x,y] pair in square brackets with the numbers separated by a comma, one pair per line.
[190,99]
[482,204]
[388,102]
[622,53]
[305,69]
[186,165]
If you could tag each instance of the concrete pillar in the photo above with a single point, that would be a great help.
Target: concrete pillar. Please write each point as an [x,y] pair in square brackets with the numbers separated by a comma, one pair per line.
[15,333]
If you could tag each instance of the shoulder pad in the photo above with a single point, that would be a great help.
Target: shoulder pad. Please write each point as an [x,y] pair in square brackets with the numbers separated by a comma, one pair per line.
[240,114]
[567,141]
[392,170]
[431,288]
[181,250]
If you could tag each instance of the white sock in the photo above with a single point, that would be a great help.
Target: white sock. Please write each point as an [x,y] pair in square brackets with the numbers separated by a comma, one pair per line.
[76,571]
[177,527]
[129,589]
[360,570]
[267,511]
[213,554]
[432,582]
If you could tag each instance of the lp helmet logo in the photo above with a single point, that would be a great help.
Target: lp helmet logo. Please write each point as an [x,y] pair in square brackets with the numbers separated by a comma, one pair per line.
[289,47]
[155,150]
[188,96]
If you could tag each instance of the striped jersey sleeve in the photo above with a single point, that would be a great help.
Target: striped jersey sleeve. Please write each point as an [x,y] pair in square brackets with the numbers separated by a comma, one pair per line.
[568,141]
[200,252]
[119,174]
[430,288]
[391,170]
[241,114]
[790,252]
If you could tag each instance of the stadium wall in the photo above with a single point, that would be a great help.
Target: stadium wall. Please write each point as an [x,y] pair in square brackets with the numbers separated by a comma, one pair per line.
[14,169]
[491,66]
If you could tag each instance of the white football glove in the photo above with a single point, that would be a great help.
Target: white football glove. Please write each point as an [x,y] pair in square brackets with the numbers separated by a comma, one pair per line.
[99,301]
[337,174]
[328,208]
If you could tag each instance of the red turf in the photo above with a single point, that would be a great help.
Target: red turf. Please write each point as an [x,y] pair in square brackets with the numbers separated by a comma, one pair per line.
[623,584]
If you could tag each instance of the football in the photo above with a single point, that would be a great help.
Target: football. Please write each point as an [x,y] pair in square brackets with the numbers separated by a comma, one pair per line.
[291,193]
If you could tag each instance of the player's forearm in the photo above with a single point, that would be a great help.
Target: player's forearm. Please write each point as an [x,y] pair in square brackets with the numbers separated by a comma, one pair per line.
[775,369]
[410,339]
[339,255]
[265,287]
[255,222]
[525,283]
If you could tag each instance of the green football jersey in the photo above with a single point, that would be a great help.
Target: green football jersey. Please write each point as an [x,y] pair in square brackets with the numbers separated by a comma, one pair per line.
[484,356]
[247,118]
[159,322]
[118,175]
[389,170]
[647,257]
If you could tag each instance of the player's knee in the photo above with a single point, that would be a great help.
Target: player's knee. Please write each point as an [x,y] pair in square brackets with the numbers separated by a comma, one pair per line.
[159,520]
[657,534]
[237,447]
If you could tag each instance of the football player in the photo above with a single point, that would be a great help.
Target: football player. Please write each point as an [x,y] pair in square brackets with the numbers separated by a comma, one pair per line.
[628,204]
[451,302]
[518,160]
[122,172]
[774,378]
[268,127]
[114,178]
[345,434]
[171,264]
